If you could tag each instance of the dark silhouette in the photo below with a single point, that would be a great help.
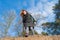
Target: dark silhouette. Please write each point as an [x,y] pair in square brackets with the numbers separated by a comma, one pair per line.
[28,22]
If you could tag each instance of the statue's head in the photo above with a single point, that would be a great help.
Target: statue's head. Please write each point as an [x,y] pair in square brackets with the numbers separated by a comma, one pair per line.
[23,12]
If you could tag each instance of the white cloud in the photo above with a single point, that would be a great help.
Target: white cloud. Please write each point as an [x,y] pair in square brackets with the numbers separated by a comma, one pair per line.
[42,9]
[48,7]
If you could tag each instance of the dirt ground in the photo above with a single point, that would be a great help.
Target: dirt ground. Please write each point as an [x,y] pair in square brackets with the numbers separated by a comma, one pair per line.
[35,37]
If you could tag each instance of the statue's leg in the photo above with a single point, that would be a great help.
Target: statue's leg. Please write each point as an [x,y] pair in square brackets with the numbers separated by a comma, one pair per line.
[27,31]
[32,28]
[23,32]
[29,28]
[23,29]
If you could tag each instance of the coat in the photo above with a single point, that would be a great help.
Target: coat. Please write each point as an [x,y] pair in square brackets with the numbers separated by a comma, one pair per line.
[28,20]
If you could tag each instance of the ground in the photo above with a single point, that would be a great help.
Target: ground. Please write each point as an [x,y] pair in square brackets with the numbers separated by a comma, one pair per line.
[35,37]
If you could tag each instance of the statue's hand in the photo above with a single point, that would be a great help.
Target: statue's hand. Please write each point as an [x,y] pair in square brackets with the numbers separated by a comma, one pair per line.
[35,23]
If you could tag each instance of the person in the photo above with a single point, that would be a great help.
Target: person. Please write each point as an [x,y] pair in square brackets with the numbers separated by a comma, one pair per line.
[28,22]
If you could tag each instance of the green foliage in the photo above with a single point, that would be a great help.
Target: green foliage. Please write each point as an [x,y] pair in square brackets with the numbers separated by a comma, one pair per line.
[57,6]
[34,32]
[43,33]
[54,26]
[57,10]
[23,33]
[46,24]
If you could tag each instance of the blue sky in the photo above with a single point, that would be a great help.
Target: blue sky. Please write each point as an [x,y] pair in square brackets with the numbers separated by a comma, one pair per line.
[37,8]
[18,5]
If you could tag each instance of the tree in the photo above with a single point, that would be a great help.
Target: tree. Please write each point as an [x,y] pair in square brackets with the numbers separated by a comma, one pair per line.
[8,18]
[57,12]
[54,27]
[51,28]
